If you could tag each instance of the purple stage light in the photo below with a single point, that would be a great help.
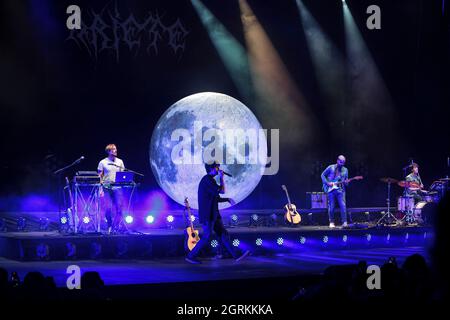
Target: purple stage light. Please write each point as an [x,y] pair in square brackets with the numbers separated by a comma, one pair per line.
[150,219]
[129,219]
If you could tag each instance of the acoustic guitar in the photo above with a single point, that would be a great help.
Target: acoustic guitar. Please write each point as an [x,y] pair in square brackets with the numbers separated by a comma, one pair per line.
[192,237]
[291,215]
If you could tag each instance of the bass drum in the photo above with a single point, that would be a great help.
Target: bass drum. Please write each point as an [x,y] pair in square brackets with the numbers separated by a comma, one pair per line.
[405,204]
[424,212]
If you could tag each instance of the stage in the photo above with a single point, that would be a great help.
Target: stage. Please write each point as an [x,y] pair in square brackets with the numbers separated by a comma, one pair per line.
[167,243]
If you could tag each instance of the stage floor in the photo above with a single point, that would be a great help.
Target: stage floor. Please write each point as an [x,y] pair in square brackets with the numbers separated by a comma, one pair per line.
[175,270]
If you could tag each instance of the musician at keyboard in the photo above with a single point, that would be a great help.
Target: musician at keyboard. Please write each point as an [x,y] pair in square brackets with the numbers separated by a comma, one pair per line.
[107,169]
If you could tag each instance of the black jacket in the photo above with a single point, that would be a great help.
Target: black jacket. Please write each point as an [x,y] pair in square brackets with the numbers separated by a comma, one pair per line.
[208,199]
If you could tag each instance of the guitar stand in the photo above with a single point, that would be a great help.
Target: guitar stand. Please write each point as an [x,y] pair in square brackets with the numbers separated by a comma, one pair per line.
[388,214]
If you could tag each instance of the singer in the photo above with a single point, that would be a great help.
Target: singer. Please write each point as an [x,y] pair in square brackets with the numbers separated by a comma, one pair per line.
[208,212]
[414,177]
[107,169]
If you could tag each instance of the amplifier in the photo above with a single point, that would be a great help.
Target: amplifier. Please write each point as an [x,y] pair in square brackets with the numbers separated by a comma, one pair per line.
[319,200]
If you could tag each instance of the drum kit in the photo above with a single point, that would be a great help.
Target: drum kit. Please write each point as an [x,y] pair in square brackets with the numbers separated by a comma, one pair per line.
[412,212]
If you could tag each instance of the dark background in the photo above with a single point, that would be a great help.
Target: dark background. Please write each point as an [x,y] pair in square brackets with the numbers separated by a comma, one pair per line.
[58,102]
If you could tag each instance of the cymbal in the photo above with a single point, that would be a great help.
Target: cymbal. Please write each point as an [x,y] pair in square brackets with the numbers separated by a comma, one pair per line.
[389,180]
[408,184]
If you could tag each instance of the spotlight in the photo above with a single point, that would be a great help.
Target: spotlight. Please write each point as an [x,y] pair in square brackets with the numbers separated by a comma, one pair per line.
[273,220]
[43,251]
[344,238]
[71,250]
[259,242]
[129,219]
[368,237]
[150,219]
[169,221]
[302,240]
[236,242]
[214,243]
[21,224]
[63,220]
[325,239]
[96,250]
[253,220]
[233,220]
[86,219]
[280,241]
[43,224]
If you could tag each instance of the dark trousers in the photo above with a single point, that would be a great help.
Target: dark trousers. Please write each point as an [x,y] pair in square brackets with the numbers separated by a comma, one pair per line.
[339,196]
[222,234]
[113,202]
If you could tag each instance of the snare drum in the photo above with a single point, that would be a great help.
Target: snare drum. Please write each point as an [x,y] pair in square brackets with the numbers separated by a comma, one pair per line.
[405,204]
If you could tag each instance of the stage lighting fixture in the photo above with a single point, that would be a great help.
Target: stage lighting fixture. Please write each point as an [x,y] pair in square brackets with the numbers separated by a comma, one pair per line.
[71,250]
[253,220]
[129,219]
[2,225]
[95,250]
[325,239]
[233,220]
[86,219]
[273,220]
[43,251]
[236,242]
[407,236]
[21,224]
[170,219]
[388,237]
[214,243]
[43,224]
[368,237]
[259,242]
[302,240]
[150,219]
[344,238]
[63,220]
[121,249]
[280,241]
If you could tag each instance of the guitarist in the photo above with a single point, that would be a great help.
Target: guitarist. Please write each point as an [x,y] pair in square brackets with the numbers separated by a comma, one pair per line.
[208,211]
[335,173]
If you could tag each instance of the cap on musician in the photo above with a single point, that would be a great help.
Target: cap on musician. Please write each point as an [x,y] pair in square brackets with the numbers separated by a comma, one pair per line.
[210,166]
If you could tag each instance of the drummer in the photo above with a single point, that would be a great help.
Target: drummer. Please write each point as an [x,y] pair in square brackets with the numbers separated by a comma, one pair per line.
[414,178]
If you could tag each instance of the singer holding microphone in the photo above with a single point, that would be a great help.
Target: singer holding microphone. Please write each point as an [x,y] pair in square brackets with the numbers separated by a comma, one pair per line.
[107,169]
[414,177]
[208,211]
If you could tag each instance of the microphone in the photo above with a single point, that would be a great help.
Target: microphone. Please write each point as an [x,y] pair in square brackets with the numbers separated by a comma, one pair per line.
[226,173]
[79,159]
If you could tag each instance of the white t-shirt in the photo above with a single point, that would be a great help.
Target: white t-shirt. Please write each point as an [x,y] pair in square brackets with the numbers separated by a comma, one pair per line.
[109,169]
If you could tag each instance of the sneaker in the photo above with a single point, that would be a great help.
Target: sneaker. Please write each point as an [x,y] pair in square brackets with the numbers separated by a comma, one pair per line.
[245,254]
[192,260]
[345,224]
[332,225]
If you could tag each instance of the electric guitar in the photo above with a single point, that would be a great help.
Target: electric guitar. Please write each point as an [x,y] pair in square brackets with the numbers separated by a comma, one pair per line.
[337,184]
[192,237]
[291,215]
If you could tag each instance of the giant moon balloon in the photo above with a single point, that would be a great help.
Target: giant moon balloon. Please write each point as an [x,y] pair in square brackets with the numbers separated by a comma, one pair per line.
[190,131]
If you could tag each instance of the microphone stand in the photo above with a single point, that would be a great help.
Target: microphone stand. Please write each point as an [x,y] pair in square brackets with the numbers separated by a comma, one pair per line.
[58,173]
